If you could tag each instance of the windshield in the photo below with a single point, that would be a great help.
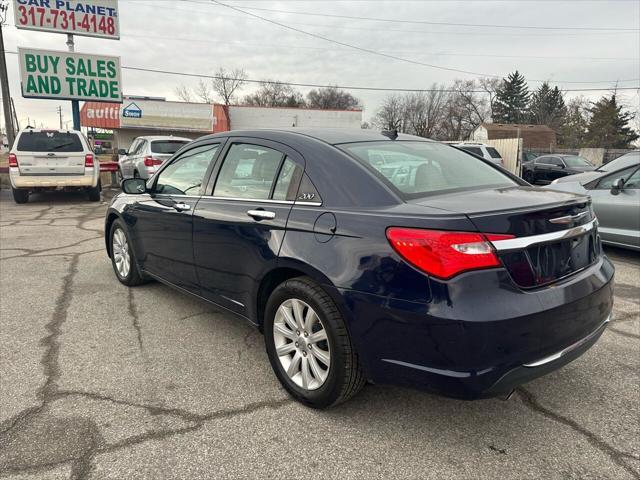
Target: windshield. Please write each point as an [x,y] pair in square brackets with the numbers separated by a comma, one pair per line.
[621,162]
[65,142]
[576,161]
[167,146]
[423,168]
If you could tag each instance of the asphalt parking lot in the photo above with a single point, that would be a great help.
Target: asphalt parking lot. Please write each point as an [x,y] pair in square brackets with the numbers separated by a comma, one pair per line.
[98,381]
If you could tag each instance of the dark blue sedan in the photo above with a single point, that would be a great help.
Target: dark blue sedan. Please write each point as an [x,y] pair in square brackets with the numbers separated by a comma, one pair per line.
[371,256]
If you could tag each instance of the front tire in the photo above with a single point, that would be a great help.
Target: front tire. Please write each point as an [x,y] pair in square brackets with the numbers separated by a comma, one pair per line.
[20,195]
[122,257]
[308,345]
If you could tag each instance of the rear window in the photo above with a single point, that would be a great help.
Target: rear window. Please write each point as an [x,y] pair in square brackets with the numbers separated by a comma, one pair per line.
[423,168]
[493,152]
[167,146]
[49,142]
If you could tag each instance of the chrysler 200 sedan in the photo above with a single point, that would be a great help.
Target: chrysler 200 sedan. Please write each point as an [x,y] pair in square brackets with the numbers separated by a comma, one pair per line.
[439,271]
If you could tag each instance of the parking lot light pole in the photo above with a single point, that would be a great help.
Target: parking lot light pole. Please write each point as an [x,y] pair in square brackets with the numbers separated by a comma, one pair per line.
[75,104]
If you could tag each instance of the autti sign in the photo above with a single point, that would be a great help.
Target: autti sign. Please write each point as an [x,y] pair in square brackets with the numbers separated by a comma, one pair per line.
[92,18]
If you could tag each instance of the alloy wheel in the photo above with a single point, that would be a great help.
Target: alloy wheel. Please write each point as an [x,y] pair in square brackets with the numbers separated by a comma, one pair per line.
[301,344]
[121,256]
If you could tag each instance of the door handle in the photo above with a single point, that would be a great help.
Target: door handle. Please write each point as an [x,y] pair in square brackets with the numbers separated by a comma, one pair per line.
[261,214]
[181,206]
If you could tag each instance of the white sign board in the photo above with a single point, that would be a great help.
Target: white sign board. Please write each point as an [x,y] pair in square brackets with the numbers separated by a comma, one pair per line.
[91,18]
[71,76]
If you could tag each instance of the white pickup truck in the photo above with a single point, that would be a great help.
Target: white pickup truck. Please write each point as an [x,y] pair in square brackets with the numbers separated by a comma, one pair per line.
[52,159]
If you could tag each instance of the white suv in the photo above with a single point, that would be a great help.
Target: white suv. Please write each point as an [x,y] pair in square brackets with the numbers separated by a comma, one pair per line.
[51,159]
[146,154]
[485,151]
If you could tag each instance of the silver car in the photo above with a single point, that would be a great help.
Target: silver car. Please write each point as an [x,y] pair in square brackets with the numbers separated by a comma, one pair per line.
[615,191]
[146,154]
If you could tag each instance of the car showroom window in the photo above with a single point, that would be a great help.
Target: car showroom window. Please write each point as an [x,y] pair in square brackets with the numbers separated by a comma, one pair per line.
[607,182]
[423,168]
[185,175]
[248,171]
[49,141]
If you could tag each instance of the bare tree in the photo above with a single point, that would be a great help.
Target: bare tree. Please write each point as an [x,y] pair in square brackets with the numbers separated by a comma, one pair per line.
[203,92]
[467,107]
[424,111]
[391,114]
[275,94]
[490,86]
[332,98]
[184,93]
[228,83]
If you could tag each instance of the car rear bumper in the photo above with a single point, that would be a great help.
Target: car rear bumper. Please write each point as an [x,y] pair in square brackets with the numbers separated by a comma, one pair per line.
[481,335]
[48,181]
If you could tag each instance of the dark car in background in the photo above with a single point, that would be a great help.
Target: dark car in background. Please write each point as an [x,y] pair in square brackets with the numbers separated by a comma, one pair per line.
[368,256]
[545,169]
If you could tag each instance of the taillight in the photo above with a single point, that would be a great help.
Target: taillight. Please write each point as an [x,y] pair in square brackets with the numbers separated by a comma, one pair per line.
[88,160]
[13,160]
[151,162]
[445,254]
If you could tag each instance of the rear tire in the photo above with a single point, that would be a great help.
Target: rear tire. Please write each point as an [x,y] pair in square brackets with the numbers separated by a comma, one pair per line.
[20,195]
[123,258]
[94,192]
[330,384]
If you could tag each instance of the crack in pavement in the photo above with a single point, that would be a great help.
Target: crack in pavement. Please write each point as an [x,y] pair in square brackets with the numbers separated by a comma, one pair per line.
[133,312]
[616,455]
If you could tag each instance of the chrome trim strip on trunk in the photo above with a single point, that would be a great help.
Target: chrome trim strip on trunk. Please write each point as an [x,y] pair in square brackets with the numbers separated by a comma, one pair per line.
[525,242]
[571,347]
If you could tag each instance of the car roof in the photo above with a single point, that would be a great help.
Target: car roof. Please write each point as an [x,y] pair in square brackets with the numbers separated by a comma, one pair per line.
[59,130]
[333,136]
[163,137]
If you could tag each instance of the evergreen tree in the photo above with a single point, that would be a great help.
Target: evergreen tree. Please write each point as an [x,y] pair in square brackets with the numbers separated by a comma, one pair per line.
[511,104]
[547,107]
[609,125]
[573,132]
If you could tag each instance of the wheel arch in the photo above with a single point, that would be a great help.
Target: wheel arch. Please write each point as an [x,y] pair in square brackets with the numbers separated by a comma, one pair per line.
[111,217]
[285,270]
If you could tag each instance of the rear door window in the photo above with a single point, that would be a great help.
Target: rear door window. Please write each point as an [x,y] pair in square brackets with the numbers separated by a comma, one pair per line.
[493,152]
[166,146]
[63,142]
[248,171]
[474,150]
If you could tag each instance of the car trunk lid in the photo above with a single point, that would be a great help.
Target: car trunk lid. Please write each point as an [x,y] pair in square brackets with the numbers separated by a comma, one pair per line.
[555,233]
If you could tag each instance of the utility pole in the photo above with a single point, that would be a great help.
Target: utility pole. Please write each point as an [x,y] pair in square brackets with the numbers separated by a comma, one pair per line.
[75,104]
[59,110]
[4,80]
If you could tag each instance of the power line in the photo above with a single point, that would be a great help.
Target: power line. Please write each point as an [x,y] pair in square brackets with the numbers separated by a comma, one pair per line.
[425,22]
[420,32]
[344,87]
[309,47]
[386,55]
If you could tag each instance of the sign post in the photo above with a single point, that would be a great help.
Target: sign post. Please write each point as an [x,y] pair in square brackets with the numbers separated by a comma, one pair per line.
[92,18]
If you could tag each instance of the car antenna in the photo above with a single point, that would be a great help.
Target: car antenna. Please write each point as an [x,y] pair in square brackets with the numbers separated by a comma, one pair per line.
[392,134]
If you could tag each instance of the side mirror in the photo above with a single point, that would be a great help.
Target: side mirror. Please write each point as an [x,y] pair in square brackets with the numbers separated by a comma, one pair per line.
[122,151]
[617,186]
[134,186]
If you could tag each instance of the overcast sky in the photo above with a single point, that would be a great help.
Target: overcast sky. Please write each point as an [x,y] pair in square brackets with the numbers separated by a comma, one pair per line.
[197,36]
